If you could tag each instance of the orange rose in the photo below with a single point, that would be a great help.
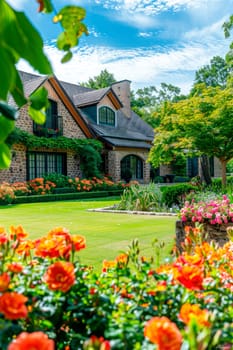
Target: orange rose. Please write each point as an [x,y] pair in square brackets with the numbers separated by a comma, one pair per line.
[60,276]
[53,247]
[17,233]
[164,333]
[12,305]
[191,276]
[193,311]
[78,242]
[4,281]
[35,341]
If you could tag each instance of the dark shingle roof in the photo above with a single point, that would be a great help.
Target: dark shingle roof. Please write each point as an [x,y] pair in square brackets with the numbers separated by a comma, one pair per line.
[73,89]
[90,97]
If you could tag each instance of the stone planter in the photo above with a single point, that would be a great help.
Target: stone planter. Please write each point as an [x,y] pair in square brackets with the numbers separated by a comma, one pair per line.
[216,233]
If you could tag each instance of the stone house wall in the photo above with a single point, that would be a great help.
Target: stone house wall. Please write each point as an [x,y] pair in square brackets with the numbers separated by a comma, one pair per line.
[114,162]
[18,168]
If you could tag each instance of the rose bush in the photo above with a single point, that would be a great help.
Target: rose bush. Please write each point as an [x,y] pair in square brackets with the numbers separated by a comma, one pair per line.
[216,211]
[49,300]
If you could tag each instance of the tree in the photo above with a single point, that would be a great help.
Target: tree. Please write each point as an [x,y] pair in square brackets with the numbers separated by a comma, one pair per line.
[147,101]
[214,74]
[104,79]
[199,125]
[19,39]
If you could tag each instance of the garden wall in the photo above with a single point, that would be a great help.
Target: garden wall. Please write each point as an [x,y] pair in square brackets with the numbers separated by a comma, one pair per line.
[216,233]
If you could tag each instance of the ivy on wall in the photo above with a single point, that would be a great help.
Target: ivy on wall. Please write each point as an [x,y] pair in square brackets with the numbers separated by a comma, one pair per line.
[89,150]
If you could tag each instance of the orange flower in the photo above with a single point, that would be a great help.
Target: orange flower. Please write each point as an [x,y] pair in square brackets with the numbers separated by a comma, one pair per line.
[3,236]
[78,242]
[17,233]
[60,231]
[191,276]
[164,333]
[53,247]
[108,265]
[35,341]
[193,311]
[15,267]
[122,259]
[60,276]
[24,248]
[4,281]
[12,305]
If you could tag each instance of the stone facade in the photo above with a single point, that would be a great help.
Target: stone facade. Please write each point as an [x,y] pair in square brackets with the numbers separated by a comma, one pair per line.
[114,162]
[216,233]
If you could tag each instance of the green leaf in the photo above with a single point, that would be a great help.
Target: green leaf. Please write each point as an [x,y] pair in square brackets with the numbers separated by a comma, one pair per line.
[67,57]
[6,127]
[5,156]
[39,99]
[20,37]
[18,92]
[39,117]
[7,70]
[70,15]
[8,111]
[48,8]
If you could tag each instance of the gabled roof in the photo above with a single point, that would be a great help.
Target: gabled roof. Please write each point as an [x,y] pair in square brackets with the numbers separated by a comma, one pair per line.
[130,131]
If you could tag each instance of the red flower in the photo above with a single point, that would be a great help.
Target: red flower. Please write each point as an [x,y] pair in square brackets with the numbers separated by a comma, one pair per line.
[191,276]
[164,333]
[29,341]
[60,276]
[15,267]
[12,305]
[4,281]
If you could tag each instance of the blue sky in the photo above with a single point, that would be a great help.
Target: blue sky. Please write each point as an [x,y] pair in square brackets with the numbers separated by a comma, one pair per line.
[145,41]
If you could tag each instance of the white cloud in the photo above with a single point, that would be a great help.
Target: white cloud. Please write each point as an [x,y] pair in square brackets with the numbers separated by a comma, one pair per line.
[149,7]
[144,67]
[18,4]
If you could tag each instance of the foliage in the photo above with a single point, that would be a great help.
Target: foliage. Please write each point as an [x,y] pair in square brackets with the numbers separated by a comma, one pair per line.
[147,101]
[132,304]
[187,125]
[175,195]
[59,180]
[19,39]
[142,198]
[104,79]
[227,27]
[87,149]
[214,74]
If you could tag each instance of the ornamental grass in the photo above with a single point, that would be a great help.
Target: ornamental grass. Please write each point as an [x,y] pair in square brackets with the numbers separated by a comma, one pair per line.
[49,300]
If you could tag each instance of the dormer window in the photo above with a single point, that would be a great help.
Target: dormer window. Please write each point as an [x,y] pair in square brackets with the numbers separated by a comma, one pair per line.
[107,116]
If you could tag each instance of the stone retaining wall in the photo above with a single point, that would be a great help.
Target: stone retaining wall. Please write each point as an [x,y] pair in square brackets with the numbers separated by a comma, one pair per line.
[216,233]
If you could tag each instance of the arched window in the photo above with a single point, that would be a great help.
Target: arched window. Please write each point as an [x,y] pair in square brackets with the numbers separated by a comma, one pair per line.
[106,116]
[131,168]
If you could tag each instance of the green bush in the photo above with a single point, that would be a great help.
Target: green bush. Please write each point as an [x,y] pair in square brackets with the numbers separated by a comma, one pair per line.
[59,180]
[142,198]
[176,194]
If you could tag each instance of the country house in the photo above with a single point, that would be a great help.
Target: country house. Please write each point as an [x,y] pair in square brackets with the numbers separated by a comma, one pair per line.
[78,112]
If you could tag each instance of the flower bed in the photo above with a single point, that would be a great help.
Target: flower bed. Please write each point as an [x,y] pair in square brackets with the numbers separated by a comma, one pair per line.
[41,186]
[49,300]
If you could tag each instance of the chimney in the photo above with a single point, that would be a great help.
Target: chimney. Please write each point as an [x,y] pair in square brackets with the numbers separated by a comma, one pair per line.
[122,90]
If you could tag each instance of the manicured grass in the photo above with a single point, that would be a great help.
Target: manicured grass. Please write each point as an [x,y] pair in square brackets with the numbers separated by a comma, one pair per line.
[107,234]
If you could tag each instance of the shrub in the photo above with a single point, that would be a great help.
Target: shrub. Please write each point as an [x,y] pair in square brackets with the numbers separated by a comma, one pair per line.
[142,198]
[6,193]
[20,188]
[40,186]
[176,194]
[48,298]
[59,180]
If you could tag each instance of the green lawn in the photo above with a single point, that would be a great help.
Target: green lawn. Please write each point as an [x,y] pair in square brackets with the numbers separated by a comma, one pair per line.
[107,234]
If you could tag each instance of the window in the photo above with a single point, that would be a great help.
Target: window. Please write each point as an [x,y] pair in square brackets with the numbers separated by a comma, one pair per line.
[53,124]
[132,165]
[40,164]
[106,116]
